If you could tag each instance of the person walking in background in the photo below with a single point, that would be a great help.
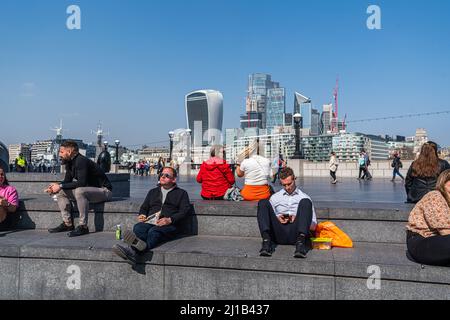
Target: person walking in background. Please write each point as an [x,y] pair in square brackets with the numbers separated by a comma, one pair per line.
[21,163]
[333,165]
[279,164]
[362,165]
[215,175]
[367,161]
[160,165]
[428,228]
[396,165]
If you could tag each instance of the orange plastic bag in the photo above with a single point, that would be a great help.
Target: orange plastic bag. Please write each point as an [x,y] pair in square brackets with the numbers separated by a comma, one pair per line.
[328,229]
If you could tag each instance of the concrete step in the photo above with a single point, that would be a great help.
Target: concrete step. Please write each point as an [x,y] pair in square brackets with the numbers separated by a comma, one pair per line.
[38,265]
[363,222]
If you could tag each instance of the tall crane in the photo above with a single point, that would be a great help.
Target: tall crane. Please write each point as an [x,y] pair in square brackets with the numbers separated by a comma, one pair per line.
[335,116]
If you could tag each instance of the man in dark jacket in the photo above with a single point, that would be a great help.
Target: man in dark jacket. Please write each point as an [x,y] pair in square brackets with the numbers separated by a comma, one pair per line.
[161,218]
[91,186]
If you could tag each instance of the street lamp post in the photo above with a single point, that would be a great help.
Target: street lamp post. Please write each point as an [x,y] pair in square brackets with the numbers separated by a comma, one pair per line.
[117,142]
[188,156]
[171,135]
[297,122]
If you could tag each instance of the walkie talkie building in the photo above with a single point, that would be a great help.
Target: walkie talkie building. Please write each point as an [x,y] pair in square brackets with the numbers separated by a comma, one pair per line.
[204,114]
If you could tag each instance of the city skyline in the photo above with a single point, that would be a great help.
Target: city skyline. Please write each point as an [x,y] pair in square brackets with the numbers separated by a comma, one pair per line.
[130,66]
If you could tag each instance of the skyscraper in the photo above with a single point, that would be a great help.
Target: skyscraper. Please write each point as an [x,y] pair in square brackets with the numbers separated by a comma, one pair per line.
[299,99]
[315,122]
[275,108]
[204,115]
[325,123]
[257,98]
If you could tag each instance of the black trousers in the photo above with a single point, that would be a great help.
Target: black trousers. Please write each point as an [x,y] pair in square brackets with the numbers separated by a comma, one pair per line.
[284,233]
[431,251]
[12,219]
[362,170]
[212,198]
[333,175]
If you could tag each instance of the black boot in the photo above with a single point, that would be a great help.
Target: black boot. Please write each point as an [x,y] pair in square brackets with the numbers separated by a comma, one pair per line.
[266,249]
[300,248]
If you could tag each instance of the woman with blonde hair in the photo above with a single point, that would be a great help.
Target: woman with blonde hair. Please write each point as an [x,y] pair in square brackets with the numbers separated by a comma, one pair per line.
[422,175]
[428,229]
[257,171]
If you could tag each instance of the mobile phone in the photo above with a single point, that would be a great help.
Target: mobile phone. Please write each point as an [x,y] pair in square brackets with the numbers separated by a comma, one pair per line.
[286,216]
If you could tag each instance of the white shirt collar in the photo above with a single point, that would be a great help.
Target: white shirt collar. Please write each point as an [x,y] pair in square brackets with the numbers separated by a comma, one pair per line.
[296,191]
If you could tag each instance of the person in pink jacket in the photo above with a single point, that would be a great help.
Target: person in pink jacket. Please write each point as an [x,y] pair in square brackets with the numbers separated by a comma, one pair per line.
[9,202]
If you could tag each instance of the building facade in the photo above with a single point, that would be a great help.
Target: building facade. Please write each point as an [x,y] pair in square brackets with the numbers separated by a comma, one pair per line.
[317,148]
[348,146]
[16,149]
[420,139]
[276,108]
[204,114]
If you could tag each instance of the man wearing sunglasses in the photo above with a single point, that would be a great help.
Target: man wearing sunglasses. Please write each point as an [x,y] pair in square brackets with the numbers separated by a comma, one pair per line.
[169,205]
[287,218]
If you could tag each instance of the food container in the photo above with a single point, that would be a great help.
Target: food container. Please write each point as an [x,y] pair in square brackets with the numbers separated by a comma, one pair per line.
[321,243]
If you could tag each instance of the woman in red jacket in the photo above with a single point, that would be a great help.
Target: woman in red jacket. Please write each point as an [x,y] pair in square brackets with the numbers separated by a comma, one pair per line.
[215,175]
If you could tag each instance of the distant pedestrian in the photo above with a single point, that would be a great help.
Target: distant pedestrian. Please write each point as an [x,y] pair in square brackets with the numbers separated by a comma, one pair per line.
[367,160]
[279,164]
[21,163]
[362,165]
[396,165]
[333,164]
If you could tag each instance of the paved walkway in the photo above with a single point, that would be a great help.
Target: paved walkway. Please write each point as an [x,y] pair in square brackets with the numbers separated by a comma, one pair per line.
[320,189]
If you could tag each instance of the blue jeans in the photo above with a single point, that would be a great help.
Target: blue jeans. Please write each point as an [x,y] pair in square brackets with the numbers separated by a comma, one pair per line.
[397,171]
[154,235]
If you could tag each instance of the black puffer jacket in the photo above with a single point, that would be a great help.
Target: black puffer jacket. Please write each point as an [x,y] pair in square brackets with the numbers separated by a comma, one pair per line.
[417,187]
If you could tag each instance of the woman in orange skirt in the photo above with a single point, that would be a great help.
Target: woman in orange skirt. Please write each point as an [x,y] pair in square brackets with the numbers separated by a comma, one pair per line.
[256,171]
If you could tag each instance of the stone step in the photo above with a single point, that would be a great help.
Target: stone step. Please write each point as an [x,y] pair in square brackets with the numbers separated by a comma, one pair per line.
[363,222]
[37,265]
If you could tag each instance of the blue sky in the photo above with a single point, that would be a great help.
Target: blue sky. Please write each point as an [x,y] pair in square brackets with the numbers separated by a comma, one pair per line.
[133,61]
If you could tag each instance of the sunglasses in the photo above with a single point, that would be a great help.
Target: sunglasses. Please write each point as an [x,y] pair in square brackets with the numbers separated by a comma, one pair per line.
[166,175]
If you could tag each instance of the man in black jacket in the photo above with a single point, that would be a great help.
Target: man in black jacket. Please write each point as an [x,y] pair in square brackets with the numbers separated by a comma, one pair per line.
[171,207]
[91,186]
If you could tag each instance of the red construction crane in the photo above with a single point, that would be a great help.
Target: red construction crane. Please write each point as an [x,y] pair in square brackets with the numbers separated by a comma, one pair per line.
[335,119]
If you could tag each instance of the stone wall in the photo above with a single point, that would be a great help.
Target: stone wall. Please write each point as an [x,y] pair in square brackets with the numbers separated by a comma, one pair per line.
[36,183]
[378,169]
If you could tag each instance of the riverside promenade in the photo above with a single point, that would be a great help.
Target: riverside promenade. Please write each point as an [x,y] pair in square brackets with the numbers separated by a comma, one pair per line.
[219,256]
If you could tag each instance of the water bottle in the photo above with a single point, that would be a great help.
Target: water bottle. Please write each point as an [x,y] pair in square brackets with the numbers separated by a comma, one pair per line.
[118,232]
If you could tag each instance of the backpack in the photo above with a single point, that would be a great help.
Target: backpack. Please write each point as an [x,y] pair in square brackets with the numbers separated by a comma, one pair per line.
[233,194]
